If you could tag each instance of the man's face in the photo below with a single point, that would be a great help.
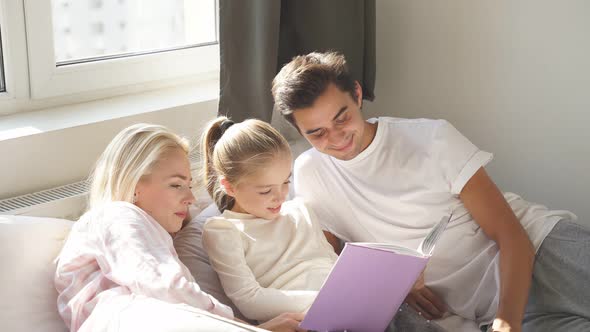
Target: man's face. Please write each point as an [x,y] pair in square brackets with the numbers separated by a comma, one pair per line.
[334,124]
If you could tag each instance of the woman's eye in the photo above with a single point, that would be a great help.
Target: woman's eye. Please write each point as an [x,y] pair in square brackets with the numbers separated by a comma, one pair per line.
[176,186]
[287,182]
[265,193]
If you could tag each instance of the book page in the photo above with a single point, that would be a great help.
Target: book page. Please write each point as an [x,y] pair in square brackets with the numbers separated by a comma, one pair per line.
[427,245]
[389,247]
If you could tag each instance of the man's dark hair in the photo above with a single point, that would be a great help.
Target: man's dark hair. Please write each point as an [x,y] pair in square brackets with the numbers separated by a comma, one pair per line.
[301,81]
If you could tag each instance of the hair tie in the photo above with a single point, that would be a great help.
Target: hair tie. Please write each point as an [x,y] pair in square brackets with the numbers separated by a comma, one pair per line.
[225,124]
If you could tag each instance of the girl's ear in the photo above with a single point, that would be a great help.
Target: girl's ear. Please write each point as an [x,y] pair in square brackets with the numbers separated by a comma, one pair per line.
[226,187]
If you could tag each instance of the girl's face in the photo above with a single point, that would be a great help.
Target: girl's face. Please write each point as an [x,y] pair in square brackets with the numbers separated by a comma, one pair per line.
[165,193]
[262,193]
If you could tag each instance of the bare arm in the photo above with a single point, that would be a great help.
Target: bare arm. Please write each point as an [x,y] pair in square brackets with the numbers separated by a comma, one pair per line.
[489,209]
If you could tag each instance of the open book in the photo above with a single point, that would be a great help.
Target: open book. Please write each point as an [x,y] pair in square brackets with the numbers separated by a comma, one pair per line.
[368,284]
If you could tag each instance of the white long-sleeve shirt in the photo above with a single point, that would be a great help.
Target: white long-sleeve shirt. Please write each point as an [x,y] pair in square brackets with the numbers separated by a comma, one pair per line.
[268,267]
[118,249]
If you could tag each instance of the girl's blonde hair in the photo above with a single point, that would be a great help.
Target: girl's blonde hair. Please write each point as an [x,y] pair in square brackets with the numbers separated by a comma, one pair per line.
[129,156]
[233,151]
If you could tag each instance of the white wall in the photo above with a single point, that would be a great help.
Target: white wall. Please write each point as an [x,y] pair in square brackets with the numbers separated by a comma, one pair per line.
[513,76]
[56,158]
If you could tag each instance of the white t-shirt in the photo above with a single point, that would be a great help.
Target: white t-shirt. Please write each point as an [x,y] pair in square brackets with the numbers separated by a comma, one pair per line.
[268,267]
[399,187]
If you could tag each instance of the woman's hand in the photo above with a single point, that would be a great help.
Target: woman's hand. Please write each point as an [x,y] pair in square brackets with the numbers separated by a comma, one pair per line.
[501,325]
[286,322]
[424,301]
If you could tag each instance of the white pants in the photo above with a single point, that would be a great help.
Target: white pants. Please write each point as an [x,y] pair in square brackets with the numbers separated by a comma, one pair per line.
[139,313]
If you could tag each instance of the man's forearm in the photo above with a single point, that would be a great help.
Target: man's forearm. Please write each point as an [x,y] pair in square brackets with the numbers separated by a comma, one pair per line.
[516,266]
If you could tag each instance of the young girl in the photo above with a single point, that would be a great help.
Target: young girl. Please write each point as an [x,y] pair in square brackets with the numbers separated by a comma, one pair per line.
[270,255]
[118,270]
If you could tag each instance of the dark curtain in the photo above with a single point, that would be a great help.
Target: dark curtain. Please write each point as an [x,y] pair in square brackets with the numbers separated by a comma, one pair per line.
[257,37]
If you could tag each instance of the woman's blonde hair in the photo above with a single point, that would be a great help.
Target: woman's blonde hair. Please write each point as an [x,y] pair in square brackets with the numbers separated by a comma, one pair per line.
[129,156]
[233,151]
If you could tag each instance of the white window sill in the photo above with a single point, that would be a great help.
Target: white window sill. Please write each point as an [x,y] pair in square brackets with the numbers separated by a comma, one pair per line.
[20,125]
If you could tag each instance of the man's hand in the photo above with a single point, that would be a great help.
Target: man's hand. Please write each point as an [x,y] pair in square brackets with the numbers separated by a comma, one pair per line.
[286,322]
[424,301]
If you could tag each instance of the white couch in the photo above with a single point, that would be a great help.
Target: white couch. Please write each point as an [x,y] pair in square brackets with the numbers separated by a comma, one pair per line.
[29,246]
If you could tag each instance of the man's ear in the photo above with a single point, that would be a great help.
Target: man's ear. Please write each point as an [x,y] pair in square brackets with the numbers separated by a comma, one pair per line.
[359,93]
[226,187]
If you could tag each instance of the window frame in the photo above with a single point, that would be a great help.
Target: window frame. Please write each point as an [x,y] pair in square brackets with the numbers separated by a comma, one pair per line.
[25,88]
[2,76]
[14,55]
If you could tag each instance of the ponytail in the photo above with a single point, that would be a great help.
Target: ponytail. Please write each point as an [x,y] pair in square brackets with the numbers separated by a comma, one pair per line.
[213,132]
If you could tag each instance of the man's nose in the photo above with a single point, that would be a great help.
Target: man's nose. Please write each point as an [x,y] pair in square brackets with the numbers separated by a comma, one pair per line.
[335,135]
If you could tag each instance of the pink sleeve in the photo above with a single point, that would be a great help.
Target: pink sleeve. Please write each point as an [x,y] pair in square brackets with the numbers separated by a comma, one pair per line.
[139,254]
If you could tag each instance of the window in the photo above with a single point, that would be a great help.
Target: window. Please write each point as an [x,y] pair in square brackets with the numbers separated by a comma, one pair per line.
[106,29]
[88,49]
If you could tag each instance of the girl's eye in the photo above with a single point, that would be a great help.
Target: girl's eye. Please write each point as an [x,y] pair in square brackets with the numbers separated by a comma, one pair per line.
[287,182]
[265,193]
[176,186]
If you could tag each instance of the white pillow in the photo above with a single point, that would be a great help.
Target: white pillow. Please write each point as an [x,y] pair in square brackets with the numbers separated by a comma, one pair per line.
[189,247]
[29,246]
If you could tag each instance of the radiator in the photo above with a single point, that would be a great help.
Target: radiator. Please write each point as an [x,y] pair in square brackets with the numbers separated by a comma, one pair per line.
[66,202]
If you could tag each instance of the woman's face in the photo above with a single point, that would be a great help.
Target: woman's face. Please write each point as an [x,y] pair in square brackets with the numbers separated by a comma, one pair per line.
[165,193]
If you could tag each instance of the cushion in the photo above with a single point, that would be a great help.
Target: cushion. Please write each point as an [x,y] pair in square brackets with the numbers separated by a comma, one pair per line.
[29,246]
[202,198]
[189,247]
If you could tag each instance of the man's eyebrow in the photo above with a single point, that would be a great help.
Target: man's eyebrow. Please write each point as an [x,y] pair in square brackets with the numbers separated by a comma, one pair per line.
[342,110]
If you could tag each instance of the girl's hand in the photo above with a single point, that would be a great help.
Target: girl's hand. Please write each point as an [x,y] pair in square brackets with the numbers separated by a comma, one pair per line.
[286,322]
[424,301]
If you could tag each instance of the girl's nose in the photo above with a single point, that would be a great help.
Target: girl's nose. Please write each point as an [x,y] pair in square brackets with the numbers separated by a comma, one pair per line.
[281,195]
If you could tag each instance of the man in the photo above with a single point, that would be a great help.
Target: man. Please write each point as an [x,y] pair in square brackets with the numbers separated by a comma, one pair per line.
[391,180]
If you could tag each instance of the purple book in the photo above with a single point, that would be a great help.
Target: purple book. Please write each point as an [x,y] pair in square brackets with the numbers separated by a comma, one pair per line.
[368,284]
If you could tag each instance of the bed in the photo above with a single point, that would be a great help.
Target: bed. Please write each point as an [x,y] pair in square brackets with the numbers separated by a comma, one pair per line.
[31,241]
